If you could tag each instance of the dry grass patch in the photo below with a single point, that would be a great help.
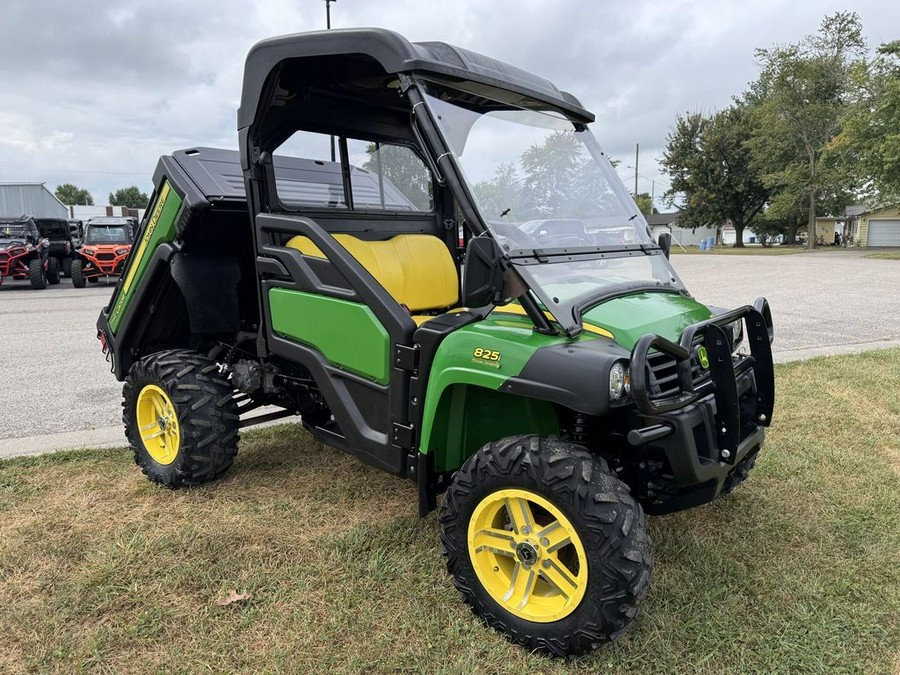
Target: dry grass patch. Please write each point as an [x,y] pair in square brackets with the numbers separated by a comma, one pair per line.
[798,571]
[884,255]
[746,250]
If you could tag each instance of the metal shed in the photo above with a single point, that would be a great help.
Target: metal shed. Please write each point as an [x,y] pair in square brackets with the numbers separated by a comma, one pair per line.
[34,199]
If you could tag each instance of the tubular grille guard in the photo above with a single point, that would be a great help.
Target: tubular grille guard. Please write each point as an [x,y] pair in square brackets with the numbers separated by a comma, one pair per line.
[723,371]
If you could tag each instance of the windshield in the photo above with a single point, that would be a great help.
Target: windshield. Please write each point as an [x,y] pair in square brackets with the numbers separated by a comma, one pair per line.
[54,229]
[120,234]
[548,193]
[12,231]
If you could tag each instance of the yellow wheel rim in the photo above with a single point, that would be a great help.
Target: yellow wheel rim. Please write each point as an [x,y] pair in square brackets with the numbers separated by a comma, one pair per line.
[527,555]
[158,424]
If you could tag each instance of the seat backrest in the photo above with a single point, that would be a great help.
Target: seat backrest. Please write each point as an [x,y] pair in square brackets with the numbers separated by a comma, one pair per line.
[416,269]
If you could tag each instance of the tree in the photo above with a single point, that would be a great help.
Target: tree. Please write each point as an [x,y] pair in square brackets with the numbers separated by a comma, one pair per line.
[70,194]
[871,132]
[130,197]
[403,169]
[500,194]
[552,172]
[645,203]
[799,101]
[712,170]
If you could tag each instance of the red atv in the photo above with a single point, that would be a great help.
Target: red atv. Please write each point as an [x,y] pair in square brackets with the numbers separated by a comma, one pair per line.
[24,254]
[105,248]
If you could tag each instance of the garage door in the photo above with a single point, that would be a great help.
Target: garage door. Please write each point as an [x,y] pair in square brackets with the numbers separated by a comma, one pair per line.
[884,233]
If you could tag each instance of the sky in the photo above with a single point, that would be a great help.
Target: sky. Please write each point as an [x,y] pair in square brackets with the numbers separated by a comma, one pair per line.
[93,92]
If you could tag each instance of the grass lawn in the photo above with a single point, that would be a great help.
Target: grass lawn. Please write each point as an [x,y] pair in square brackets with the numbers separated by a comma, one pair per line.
[746,250]
[797,572]
[885,255]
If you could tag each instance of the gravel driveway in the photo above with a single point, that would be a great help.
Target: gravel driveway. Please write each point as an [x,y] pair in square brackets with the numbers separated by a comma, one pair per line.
[58,391]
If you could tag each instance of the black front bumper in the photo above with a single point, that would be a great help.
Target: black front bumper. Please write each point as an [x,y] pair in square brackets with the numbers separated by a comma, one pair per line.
[706,429]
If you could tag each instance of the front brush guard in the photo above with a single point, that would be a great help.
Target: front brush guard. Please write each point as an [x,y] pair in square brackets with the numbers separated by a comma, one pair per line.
[724,371]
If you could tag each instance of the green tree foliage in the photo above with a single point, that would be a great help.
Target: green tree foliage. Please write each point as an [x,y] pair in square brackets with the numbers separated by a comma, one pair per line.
[554,178]
[403,168]
[871,134]
[645,203]
[501,193]
[802,95]
[130,197]
[712,170]
[70,194]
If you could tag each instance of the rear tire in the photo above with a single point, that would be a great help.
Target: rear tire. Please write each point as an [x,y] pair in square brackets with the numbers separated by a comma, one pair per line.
[180,418]
[67,267]
[572,579]
[52,271]
[36,274]
[77,274]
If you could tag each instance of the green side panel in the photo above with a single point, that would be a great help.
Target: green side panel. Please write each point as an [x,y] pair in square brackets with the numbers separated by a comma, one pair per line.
[632,317]
[347,333]
[160,228]
[468,417]
[509,342]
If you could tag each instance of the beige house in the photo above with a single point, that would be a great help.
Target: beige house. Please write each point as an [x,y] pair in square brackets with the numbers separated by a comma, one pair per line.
[880,227]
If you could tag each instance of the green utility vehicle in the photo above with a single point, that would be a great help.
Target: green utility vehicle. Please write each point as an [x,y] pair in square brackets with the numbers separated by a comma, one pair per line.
[547,371]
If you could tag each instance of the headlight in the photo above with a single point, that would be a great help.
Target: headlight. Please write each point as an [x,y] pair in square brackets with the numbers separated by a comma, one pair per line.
[121,251]
[87,251]
[619,382]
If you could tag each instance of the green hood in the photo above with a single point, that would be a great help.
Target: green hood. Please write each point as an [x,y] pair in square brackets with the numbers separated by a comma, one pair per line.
[632,317]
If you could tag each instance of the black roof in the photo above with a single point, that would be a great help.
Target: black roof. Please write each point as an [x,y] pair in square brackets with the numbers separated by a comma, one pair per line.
[395,54]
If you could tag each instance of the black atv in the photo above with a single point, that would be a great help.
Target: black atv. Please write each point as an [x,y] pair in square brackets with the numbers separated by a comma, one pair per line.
[25,254]
[62,246]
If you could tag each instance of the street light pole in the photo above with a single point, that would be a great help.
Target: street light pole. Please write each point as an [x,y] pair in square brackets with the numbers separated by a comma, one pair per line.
[637,150]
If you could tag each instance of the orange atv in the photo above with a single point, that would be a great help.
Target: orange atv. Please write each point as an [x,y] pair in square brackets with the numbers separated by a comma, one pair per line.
[107,243]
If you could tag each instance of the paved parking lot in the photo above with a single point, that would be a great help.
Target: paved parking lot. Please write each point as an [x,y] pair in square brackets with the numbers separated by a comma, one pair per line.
[58,391]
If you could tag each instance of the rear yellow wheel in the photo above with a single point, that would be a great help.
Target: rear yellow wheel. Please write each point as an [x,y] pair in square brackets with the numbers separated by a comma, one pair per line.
[180,417]
[527,555]
[158,424]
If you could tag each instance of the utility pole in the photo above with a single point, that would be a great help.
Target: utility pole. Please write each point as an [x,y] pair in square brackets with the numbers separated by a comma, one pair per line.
[328,27]
[652,194]
[637,151]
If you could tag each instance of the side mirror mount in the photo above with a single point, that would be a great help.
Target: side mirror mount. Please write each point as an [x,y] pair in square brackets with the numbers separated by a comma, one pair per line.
[482,277]
[665,243]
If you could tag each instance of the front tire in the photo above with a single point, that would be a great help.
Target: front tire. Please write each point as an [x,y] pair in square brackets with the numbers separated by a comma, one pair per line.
[52,271]
[77,273]
[36,274]
[546,545]
[180,418]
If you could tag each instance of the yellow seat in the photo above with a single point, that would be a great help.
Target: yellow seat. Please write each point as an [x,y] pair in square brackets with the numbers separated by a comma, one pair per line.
[416,269]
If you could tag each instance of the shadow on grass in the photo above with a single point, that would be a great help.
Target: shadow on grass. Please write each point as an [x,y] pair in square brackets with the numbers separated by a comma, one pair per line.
[797,571]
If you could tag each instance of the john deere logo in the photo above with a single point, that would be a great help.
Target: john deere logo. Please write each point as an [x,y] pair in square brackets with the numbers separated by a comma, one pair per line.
[703,357]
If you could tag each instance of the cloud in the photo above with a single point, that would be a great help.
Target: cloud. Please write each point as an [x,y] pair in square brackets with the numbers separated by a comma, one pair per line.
[93,92]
